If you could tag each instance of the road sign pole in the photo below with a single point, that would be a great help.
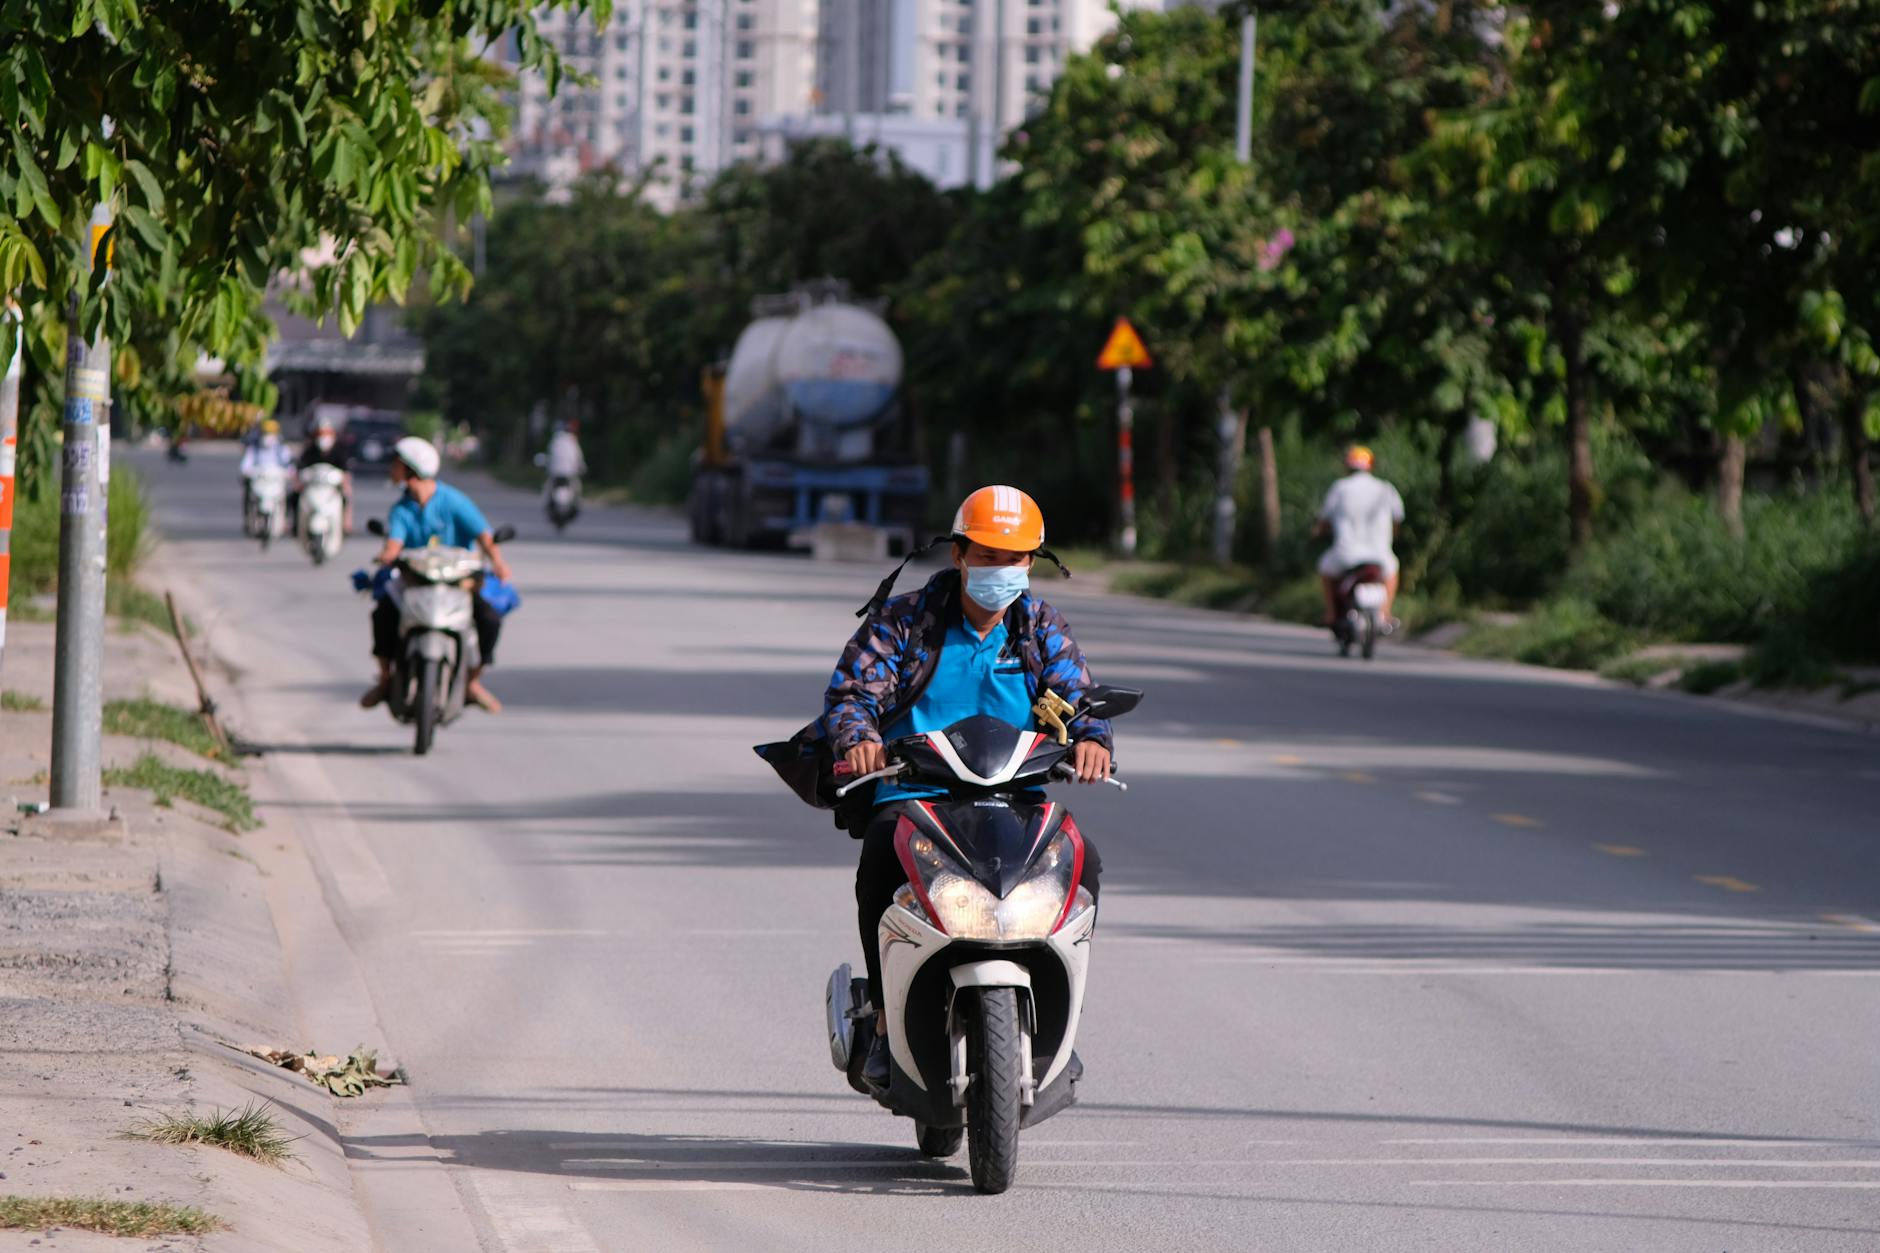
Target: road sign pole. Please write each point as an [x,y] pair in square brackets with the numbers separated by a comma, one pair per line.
[1126,461]
[9,432]
[78,660]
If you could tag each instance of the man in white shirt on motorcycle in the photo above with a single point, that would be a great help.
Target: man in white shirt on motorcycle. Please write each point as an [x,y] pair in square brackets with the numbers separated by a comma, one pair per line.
[268,452]
[564,459]
[1361,513]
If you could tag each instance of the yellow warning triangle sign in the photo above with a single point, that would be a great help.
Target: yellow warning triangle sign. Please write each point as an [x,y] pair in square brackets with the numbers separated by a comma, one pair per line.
[1123,348]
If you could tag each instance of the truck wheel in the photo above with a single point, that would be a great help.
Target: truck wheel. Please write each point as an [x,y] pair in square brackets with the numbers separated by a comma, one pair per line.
[992,1100]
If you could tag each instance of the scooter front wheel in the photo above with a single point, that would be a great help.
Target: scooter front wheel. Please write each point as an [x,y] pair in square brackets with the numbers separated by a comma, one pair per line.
[993,1107]
[426,713]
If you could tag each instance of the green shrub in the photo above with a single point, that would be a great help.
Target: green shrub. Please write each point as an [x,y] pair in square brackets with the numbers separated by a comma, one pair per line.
[35,540]
[1569,634]
[1708,676]
[1677,573]
[664,476]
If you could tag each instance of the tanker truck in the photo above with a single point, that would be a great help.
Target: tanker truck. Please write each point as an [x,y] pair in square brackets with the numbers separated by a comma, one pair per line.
[804,430]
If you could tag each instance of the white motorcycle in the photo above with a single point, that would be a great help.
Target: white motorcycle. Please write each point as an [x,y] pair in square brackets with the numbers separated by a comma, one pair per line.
[563,502]
[435,589]
[985,949]
[322,511]
[267,488]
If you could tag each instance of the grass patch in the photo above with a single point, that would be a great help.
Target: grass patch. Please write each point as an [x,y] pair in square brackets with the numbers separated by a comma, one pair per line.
[1638,671]
[1709,676]
[1569,634]
[113,1218]
[249,1132]
[132,603]
[201,787]
[154,720]
[20,702]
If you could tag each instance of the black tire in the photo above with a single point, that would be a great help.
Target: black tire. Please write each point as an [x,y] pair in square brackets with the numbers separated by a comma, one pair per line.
[1370,633]
[992,1100]
[318,551]
[267,532]
[425,716]
[937,1142]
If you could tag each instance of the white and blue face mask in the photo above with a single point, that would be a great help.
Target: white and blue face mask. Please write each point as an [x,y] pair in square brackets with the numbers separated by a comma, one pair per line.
[993,588]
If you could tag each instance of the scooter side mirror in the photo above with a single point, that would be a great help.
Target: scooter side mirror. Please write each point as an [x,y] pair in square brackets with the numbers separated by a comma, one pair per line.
[375,527]
[504,533]
[1111,702]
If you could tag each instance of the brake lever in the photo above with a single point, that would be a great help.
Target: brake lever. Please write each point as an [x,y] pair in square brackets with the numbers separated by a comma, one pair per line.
[885,773]
[1069,775]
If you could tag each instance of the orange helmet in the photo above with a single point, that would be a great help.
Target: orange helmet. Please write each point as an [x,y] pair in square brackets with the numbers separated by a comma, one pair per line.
[1001,517]
[1358,457]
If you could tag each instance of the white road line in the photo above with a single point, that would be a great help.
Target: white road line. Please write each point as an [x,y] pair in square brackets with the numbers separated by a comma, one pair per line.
[1643,1141]
[1178,1163]
[1437,798]
[527,1221]
[1646,1183]
[491,933]
[668,1185]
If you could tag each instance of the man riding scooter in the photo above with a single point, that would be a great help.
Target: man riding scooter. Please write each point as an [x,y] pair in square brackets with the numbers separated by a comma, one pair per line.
[323,450]
[1361,513]
[974,640]
[429,510]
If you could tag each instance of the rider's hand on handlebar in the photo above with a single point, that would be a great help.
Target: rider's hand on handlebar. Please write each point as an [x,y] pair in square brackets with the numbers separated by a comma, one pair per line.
[1091,761]
[866,758]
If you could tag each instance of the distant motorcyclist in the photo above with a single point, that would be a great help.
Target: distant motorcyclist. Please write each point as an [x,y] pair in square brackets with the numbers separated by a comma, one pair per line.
[1361,513]
[429,510]
[564,458]
[324,450]
[267,451]
[974,640]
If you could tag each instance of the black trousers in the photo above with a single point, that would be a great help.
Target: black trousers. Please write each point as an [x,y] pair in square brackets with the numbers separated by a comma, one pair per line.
[489,626]
[880,876]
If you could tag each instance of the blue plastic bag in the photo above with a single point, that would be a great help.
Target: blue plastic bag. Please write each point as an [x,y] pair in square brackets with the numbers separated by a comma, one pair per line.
[499,594]
[376,580]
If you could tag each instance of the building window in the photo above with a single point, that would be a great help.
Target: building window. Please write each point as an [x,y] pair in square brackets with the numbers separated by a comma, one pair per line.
[744,78]
[746,50]
[966,82]
[665,73]
[959,110]
[691,19]
[1031,56]
[686,77]
[746,21]
[685,134]
[742,108]
[690,50]
[665,100]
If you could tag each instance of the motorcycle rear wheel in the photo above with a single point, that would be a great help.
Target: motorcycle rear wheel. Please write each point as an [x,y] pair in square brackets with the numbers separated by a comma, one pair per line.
[938,1142]
[1370,633]
[992,1101]
[426,713]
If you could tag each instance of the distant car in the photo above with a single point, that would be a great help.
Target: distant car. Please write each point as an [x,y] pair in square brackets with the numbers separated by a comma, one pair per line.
[368,441]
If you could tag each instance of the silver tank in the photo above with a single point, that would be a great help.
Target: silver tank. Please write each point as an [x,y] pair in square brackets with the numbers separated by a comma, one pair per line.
[814,382]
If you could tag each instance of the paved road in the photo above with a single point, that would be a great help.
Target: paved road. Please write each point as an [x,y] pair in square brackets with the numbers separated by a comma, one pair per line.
[1423,954]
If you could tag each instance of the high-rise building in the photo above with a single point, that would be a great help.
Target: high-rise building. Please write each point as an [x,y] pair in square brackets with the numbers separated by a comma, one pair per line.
[678,88]
[983,64]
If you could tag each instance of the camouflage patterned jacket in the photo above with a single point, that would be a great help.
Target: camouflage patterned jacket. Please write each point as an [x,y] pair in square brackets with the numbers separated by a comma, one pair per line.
[889,662]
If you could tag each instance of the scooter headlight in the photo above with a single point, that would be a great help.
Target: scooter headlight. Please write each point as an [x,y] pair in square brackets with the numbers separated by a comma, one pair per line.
[962,907]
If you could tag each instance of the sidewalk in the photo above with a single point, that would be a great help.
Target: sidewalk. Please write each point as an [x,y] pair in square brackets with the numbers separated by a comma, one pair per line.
[132,954]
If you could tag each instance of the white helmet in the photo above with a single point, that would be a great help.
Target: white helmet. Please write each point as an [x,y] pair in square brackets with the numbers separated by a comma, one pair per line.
[419,455]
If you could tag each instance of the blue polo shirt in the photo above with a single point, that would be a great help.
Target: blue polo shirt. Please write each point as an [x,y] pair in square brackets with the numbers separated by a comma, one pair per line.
[449,517]
[970,677]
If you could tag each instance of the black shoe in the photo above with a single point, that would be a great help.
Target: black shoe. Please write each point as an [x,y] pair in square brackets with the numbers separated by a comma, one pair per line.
[875,1068]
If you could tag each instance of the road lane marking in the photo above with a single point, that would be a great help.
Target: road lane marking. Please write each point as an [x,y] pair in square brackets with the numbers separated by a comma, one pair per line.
[1644,1141]
[528,1222]
[1854,921]
[1357,776]
[486,933]
[1437,798]
[1646,1183]
[1288,759]
[1621,850]
[904,1161]
[1726,882]
[1516,820]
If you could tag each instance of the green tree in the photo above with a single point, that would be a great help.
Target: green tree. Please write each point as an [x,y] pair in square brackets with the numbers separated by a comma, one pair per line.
[241,142]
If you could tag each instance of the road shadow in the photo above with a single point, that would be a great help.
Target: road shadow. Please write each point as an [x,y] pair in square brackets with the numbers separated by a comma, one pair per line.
[652,1160]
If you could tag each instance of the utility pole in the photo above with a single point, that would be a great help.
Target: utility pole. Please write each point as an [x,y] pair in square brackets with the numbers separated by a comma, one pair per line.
[1232,426]
[9,431]
[78,659]
[1126,461]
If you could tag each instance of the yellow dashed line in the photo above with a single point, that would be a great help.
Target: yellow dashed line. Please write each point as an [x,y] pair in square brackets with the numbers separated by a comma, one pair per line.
[1357,776]
[1729,883]
[1516,820]
[1228,743]
[1852,920]
[1287,759]
[1620,850]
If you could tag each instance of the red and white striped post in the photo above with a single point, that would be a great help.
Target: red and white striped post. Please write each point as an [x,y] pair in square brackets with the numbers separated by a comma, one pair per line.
[1126,461]
[9,437]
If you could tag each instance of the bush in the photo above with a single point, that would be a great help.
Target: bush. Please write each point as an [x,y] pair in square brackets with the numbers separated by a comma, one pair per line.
[664,477]
[35,541]
[1677,573]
